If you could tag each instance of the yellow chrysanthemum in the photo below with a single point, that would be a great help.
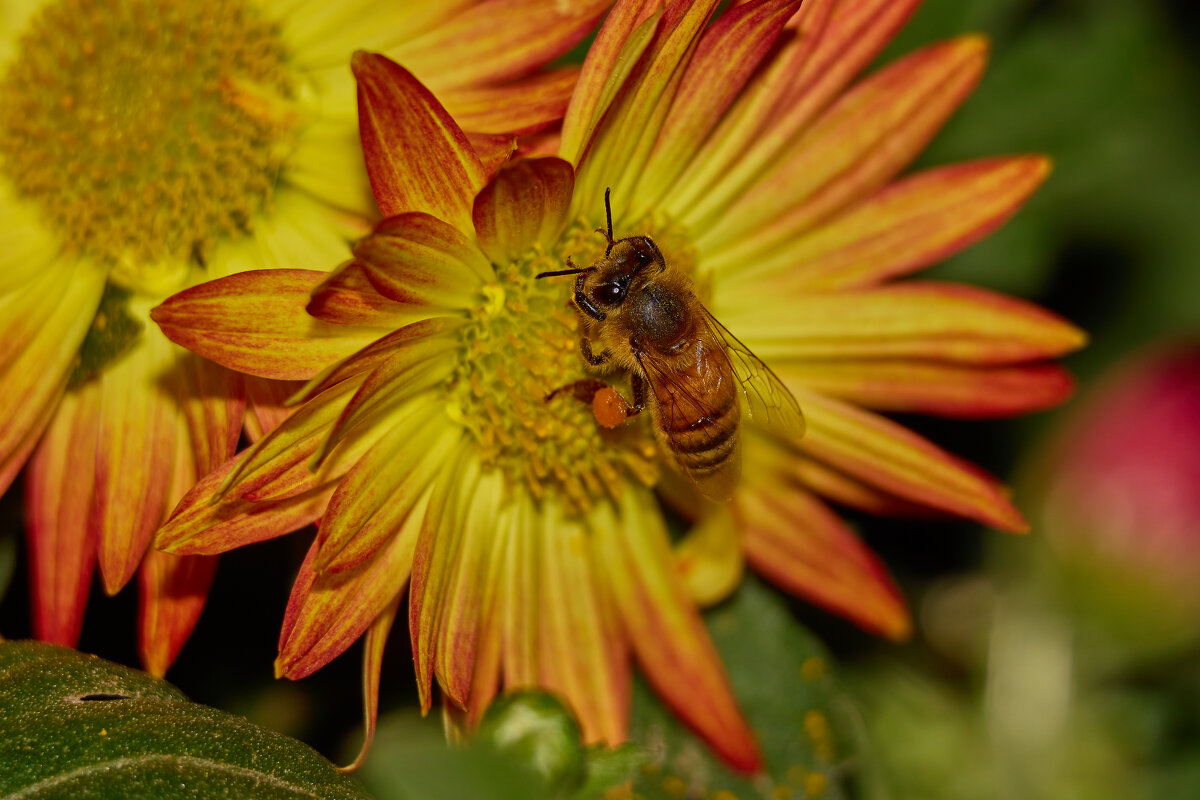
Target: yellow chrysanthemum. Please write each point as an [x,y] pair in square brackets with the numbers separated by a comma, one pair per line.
[148,145]
[532,540]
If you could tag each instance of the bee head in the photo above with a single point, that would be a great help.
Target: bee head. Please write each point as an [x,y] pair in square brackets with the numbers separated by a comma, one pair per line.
[615,273]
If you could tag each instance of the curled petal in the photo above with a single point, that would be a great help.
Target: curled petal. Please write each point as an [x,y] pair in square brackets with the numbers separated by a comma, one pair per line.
[255,322]
[348,297]
[416,259]
[526,203]
[373,651]
[418,158]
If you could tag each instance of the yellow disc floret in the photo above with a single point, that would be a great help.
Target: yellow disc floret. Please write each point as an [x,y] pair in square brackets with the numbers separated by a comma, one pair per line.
[520,357]
[144,130]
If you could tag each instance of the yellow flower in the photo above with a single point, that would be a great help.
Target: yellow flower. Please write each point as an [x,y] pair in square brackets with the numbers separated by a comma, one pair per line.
[532,539]
[146,146]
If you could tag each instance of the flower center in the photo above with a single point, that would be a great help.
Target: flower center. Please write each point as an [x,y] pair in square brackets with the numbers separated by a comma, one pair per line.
[522,345]
[146,129]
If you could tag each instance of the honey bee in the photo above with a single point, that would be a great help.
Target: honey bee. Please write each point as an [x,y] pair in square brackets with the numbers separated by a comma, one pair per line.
[641,316]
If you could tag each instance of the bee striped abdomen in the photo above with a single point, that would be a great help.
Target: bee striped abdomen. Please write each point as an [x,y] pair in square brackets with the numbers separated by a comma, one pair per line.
[702,439]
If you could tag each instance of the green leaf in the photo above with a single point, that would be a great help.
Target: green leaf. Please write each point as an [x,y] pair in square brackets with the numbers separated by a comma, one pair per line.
[528,747]
[783,679]
[76,726]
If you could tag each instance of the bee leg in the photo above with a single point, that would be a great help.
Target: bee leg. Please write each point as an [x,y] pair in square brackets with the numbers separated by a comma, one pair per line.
[585,349]
[638,384]
[581,299]
[583,390]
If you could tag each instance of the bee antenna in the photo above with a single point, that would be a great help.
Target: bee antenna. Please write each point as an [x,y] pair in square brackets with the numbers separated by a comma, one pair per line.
[557,272]
[608,214]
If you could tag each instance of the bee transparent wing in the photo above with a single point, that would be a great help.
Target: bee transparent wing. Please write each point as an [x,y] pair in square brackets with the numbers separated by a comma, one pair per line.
[685,398]
[767,403]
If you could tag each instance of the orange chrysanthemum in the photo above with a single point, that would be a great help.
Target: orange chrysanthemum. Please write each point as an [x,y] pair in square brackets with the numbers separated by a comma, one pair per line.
[532,539]
[147,146]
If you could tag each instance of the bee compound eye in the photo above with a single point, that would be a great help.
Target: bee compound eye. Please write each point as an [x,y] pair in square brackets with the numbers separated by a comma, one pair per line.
[609,293]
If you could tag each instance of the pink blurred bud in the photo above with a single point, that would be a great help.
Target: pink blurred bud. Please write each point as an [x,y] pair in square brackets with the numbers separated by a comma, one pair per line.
[1122,496]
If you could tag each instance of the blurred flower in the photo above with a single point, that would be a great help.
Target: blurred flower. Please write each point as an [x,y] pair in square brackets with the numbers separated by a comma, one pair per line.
[145,146]
[532,539]
[1121,499]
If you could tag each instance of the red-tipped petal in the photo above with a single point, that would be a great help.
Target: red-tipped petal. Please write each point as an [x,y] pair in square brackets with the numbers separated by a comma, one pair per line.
[668,637]
[905,227]
[327,613]
[418,158]
[914,320]
[373,650]
[497,40]
[833,41]
[803,546]
[728,54]
[256,322]
[173,590]
[199,526]
[858,145]
[584,655]
[213,402]
[528,105]
[60,538]
[940,389]
[526,203]
[883,454]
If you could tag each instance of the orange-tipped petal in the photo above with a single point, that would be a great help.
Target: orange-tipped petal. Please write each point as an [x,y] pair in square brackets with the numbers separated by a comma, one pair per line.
[172,593]
[846,490]
[60,537]
[199,526]
[940,389]
[668,637]
[913,320]
[327,613]
[383,487]
[461,609]
[419,260]
[859,144]
[728,54]
[373,650]
[436,552]
[831,42]
[800,544]
[883,454]
[256,322]
[528,105]
[905,227]
[584,656]
[526,203]
[135,456]
[347,297]
[497,40]
[418,158]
